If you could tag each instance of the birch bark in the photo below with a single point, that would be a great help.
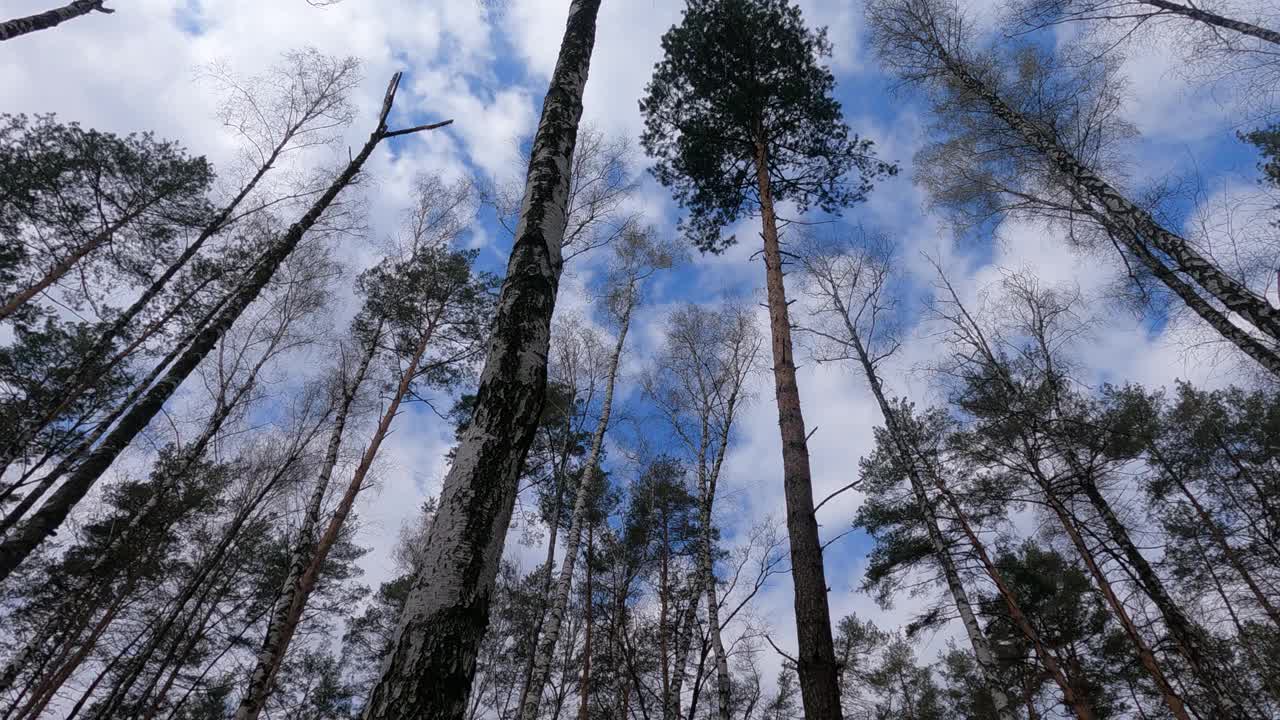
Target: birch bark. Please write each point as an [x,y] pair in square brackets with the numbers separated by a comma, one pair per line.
[432,662]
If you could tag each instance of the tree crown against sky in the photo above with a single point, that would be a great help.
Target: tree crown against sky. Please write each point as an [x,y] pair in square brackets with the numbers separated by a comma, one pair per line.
[739,77]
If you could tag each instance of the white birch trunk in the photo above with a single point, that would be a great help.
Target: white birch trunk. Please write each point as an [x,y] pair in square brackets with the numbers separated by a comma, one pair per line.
[429,670]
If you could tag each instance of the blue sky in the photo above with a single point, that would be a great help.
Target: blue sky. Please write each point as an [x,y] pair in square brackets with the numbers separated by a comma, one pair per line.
[486,65]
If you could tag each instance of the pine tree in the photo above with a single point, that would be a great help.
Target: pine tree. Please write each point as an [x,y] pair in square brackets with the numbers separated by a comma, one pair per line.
[739,117]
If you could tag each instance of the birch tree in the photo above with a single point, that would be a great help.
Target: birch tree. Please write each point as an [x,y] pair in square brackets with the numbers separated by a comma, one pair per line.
[430,669]
[1053,133]
[739,115]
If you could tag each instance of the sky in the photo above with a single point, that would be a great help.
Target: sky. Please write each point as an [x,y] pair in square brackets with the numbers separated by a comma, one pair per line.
[485,64]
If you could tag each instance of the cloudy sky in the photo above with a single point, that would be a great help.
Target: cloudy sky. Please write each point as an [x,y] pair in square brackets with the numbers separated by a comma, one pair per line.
[486,63]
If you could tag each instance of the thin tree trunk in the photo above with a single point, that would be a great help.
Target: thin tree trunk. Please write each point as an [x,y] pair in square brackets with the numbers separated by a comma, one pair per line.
[585,684]
[1220,539]
[683,645]
[548,576]
[1209,18]
[430,667]
[908,453]
[816,658]
[1142,231]
[50,18]
[1188,638]
[46,521]
[669,709]
[707,480]
[298,587]
[581,506]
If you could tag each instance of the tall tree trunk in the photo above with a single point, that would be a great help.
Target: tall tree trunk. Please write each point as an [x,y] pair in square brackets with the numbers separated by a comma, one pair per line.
[816,655]
[670,700]
[713,620]
[50,18]
[548,579]
[584,686]
[1215,20]
[708,477]
[433,657]
[581,506]
[298,587]
[1142,232]
[46,521]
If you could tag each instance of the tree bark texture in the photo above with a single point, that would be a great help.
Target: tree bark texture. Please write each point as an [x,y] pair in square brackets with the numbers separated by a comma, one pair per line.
[45,522]
[429,670]
[50,18]
[816,657]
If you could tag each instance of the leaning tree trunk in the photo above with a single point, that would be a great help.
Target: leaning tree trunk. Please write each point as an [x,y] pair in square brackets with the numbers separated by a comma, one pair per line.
[816,655]
[46,521]
[907,453]
[1188,637]
[1142,232]
[50,18]
[64,465]
[1079,704]
[1215,20]
[433,657]
[308,552]
[88,368]
[581,506]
